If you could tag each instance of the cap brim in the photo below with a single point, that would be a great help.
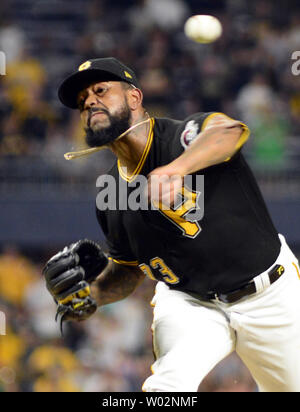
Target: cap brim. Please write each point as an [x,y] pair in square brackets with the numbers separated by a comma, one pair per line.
[74,84]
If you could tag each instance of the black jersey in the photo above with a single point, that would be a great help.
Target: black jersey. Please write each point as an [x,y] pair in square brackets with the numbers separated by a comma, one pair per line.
[234,241]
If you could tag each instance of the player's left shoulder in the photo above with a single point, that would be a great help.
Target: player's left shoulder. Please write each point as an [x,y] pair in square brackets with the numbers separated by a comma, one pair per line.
[216,118]
[192,126]
[165,128]
[219,119]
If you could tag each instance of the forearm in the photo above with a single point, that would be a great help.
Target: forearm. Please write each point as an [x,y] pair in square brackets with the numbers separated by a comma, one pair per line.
[212,146]
[115,283]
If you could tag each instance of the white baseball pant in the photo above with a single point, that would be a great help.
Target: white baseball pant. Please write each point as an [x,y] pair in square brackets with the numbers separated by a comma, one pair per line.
[191,336]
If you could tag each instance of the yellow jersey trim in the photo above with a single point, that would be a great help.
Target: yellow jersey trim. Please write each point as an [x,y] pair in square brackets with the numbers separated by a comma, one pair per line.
[211,116]
[243,138]
[142,159]
[297,270]
[124,262]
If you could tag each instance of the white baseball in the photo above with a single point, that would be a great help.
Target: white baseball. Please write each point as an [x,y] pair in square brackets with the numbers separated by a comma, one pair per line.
[203,28]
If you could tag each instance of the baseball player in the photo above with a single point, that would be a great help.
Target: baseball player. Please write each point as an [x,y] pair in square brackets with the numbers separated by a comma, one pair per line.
[226,282]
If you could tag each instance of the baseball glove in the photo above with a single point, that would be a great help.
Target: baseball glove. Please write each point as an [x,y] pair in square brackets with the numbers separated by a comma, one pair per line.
[68,275]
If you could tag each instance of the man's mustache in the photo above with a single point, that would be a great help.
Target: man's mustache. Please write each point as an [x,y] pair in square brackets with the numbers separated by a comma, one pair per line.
[93,110]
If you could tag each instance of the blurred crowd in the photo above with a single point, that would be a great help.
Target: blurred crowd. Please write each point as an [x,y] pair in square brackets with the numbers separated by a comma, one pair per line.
[246,74]
[111,352]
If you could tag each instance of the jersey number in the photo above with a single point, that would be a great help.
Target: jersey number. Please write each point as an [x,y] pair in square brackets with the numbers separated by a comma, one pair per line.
[166,272]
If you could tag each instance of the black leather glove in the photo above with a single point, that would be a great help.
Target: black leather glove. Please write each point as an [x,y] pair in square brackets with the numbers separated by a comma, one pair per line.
[68,275]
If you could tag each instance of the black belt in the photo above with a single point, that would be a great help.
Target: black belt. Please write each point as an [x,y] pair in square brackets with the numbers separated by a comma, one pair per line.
[246,290]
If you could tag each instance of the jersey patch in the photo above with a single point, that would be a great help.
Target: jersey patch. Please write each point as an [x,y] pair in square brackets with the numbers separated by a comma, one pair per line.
[189,134]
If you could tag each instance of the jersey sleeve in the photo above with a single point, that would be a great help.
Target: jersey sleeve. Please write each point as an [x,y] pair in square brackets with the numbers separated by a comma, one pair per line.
[195,124]
[116,238]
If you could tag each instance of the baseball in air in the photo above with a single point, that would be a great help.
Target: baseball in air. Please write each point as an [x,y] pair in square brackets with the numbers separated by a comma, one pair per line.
[203,28]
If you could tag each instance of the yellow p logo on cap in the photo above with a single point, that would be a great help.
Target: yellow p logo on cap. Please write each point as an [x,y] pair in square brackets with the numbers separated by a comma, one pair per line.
[84,66]
[127,74]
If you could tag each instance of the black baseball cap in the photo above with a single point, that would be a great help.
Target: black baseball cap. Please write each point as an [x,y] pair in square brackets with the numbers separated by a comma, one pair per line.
[94,70]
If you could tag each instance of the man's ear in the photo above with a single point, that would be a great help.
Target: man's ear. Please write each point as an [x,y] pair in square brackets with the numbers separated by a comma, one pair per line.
[135,98]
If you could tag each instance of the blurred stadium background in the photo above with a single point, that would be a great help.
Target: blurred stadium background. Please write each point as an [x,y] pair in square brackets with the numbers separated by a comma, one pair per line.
[47,202]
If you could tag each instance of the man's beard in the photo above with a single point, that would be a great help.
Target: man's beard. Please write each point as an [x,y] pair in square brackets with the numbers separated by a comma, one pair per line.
[118,124]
